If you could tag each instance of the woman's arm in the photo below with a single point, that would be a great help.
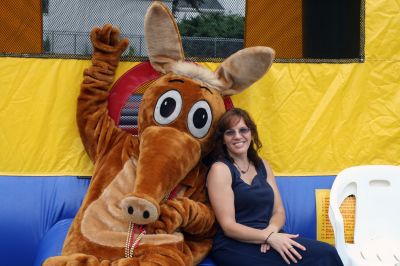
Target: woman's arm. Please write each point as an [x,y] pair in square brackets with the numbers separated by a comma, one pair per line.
[221,196]
[281,242]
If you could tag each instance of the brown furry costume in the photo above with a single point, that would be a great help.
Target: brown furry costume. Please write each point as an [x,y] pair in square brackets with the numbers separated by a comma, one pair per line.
[134,175]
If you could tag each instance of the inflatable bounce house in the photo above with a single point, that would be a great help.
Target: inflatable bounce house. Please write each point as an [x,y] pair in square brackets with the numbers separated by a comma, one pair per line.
[87,118]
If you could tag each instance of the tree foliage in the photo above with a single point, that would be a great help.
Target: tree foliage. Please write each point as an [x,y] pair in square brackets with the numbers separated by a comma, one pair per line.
[213,25]
[46,45]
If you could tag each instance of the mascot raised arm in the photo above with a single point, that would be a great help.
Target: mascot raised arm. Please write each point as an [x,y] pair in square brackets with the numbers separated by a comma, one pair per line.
[146,204]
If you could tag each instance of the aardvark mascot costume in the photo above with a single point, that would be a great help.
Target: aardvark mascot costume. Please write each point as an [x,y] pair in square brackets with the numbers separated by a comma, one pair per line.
[146,204]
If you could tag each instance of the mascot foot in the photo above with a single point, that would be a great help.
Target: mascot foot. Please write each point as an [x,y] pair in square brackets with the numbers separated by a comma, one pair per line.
[157,256]
[72,260]
[86,260]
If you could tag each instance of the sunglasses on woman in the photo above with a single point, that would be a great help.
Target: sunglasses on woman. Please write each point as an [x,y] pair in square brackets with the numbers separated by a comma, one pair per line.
[232,132]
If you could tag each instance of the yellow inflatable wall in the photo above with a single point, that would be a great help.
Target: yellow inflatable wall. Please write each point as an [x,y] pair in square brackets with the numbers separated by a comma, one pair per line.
[314,119]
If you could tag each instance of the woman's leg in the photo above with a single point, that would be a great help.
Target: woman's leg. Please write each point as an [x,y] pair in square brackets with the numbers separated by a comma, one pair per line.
[237,254]
[318,253]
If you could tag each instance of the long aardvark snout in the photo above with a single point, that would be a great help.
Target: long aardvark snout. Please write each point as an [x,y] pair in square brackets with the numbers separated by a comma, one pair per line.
[166,156]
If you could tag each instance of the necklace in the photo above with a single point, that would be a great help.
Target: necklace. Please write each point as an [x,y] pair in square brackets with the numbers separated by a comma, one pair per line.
[131,242]
[242,171]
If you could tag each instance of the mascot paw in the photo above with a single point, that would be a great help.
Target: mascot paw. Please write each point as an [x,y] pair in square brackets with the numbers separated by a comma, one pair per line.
[107,39]
[72,260]
[170,218]
[157,227]
[124,262]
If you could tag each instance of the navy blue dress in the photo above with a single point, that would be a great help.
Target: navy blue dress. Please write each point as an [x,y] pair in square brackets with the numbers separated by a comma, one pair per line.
[253,207]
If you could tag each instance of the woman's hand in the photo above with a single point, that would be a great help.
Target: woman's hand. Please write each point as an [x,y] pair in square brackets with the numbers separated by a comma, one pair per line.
[285,246]
[264,248]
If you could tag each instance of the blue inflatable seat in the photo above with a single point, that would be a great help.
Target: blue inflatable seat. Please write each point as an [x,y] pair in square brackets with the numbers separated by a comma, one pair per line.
[36,213]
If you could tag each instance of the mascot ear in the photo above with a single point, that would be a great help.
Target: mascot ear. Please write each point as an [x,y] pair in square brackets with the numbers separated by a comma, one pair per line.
[243,68]
[162,37]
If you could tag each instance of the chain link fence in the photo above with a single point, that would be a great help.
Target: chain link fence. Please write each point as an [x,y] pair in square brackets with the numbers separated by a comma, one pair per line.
[301,31]
[66,33]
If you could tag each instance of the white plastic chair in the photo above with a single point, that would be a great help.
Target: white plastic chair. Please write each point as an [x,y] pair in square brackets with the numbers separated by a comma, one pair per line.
[377,216]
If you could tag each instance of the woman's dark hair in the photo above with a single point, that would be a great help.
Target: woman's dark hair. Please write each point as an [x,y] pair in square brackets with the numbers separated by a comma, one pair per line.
[228,120]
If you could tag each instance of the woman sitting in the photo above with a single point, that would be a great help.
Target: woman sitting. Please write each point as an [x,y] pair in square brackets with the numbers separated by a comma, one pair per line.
[248,206]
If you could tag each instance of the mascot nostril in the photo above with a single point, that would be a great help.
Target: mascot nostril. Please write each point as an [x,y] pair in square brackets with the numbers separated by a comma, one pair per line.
[146,213]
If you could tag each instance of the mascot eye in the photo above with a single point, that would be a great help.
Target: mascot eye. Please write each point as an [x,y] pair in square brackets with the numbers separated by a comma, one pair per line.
[199,119]
[168,107]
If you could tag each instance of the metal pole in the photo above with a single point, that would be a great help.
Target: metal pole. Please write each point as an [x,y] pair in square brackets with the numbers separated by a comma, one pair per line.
[140,45]
[215,47]
[52,42]
[74,43]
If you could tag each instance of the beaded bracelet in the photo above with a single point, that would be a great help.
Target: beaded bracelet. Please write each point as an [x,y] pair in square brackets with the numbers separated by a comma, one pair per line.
[266,240]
